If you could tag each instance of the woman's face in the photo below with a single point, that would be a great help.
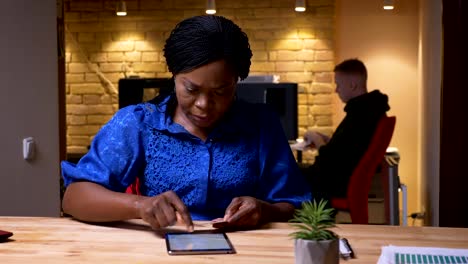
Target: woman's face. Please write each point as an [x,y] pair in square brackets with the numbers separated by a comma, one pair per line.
[204,95]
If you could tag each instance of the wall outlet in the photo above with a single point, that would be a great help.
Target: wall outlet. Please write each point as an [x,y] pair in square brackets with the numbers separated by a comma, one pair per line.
[28,148]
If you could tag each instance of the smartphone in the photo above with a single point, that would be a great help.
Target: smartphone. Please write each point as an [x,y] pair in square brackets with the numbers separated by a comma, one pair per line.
[346,252]
[198,242]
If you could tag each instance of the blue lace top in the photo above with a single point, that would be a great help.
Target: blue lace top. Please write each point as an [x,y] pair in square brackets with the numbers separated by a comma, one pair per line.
[247,154]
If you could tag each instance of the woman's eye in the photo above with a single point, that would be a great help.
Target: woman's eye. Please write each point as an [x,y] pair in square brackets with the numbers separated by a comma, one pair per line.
[220,92]
[190,89]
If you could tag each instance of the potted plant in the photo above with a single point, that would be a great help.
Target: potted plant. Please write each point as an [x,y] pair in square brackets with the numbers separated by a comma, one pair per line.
[315,242]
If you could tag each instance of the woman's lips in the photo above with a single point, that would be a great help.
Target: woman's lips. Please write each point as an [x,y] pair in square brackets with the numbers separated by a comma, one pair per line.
[201,119]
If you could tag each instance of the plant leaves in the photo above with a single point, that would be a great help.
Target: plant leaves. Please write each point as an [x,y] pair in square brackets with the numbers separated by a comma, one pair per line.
[314,221]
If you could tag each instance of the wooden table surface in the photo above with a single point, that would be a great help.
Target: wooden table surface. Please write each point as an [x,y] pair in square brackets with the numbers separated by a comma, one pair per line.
[63,240]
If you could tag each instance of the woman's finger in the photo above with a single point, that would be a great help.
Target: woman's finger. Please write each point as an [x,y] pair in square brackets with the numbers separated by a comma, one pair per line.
[181,208]
[147,214]
[232,208]
[248,219]
[165,213]
[249,213]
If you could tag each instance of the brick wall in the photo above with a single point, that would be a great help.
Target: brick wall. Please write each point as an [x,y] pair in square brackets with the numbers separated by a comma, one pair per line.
[296,46]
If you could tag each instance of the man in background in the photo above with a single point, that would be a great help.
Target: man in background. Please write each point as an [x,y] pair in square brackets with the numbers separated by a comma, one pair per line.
[340,154]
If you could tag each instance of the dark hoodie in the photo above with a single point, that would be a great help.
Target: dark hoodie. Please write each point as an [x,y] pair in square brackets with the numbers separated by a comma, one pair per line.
[329,175]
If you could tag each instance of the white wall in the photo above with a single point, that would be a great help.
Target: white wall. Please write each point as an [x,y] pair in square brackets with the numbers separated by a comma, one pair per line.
[29,107]
[387,42]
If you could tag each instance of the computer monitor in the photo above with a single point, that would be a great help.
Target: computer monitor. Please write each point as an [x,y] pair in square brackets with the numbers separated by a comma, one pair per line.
[281,97]
[137,90]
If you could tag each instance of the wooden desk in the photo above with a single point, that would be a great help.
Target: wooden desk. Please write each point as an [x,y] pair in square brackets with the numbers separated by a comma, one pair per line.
[62,240]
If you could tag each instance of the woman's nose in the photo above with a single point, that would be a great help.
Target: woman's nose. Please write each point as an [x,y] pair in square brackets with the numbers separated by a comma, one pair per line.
[202,101]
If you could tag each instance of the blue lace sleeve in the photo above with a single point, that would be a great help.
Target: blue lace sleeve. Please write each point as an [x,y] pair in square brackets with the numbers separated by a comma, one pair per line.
[281,179]
[115,157]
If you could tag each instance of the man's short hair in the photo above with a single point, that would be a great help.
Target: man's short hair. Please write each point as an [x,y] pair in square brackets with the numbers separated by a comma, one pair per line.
[353,66]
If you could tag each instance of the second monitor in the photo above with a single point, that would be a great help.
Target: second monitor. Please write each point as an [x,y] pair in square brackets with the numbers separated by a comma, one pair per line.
[281,97]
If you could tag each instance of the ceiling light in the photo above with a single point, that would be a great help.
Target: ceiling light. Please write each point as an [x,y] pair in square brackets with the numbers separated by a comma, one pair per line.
[300,6]
[121,9]
[210,7]
[388,4]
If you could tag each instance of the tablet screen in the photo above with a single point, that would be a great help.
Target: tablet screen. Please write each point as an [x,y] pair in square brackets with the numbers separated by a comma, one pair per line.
[198,243]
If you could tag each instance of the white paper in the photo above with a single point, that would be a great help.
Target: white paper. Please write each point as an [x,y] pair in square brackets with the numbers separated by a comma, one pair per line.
[396,255]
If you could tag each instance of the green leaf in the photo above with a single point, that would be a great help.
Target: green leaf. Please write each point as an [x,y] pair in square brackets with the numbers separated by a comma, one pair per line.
[313,221]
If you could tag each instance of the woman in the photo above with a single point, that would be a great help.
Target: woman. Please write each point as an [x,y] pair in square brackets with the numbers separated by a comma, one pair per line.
[198,153]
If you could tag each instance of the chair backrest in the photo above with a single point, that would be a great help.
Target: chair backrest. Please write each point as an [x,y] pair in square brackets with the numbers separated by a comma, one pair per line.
[360,181]
[134,188]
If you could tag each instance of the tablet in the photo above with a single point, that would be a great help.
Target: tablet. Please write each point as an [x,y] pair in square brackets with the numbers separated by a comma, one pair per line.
[198,242]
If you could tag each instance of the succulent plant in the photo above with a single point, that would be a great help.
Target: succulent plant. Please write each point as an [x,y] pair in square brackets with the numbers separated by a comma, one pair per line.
[314,221]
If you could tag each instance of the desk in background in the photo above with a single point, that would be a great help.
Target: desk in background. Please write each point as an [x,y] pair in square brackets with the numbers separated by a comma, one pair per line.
[63,240]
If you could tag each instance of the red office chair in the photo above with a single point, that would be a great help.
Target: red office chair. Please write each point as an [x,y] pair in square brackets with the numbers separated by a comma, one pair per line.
[356,201]
[134,187]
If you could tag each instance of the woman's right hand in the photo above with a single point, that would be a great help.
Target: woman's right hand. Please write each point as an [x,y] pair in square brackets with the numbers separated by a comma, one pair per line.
[164,210]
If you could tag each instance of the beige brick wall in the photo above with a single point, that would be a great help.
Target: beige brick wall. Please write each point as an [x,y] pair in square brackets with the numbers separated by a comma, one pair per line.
[296,46]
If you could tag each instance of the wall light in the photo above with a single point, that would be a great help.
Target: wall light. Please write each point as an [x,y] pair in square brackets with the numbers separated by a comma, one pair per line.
[121,9]
[300,6]
[210,7]
[388,4]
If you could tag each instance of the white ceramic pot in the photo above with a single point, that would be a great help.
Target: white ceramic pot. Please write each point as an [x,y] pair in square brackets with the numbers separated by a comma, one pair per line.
[316,252]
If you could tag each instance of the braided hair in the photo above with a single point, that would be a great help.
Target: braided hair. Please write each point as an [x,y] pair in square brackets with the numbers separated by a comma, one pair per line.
[200,40]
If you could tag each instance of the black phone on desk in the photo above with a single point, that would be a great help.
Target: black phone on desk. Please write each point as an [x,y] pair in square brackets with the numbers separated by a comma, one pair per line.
[346,252]
[198,242]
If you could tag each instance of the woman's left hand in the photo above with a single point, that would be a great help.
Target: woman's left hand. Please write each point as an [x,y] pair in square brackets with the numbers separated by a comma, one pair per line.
[244,211]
